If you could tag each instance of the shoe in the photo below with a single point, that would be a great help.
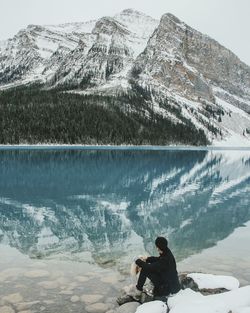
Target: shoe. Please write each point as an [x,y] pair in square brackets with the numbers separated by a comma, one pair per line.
[124,299]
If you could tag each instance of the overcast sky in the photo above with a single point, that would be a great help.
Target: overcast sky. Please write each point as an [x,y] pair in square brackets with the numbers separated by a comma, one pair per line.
[227,21]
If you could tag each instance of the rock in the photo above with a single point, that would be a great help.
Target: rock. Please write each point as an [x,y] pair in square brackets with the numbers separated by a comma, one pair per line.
[91,298]
[92,274]
[187,282]
[82,279]
[48,302]
[27,311]
[20,286]
[208,291]
[62,280]
[74,299]
[13,298]
[6,309]
[57,274]
[36,274]
[22,306]
[11,272]
[97,308]
[38,264]
[66,292]
[111,300]
[72,286]
[129,307]
[49,284]
[124,299]
[153,306]
[109,279]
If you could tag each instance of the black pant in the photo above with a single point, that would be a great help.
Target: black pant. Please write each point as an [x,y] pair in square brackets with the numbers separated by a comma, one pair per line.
[160,289]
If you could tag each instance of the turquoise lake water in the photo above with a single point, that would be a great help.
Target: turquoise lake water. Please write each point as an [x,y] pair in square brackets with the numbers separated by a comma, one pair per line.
[103,207]
[112,203]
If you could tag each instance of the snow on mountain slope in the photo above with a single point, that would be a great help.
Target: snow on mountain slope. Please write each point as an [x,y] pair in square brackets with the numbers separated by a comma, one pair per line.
[141,27]
[25,56]
[188,76]
[107,60]
[43,53]
[68,28]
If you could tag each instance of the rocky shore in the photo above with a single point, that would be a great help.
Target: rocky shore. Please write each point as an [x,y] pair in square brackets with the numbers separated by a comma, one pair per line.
[52,286]
[40,289]
[200,292]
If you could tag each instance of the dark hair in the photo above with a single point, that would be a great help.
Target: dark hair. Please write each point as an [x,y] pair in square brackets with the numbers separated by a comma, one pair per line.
[161,243]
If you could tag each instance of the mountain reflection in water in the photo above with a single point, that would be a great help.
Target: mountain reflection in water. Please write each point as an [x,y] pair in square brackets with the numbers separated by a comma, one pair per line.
[110,205]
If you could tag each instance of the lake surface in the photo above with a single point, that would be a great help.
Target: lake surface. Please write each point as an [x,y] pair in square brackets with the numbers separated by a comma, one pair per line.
[76,209]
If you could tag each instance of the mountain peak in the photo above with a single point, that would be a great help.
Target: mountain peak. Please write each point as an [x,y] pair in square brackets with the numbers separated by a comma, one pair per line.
[134,14]
[131,11]
[109,25]
[172,19]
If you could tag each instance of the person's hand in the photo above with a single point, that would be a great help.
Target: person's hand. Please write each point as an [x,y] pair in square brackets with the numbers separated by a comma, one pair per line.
[140,257]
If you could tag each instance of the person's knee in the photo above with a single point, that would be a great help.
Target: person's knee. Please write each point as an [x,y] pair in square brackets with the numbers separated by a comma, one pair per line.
[144,272]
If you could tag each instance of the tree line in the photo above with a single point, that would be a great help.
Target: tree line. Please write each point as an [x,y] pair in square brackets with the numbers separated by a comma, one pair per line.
[33,115]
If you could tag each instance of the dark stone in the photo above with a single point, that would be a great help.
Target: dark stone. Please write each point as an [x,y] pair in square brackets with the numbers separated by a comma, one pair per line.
[188,282]
[125,299]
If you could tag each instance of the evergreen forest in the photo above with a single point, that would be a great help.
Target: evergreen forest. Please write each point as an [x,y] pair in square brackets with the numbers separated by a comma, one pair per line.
[32,115]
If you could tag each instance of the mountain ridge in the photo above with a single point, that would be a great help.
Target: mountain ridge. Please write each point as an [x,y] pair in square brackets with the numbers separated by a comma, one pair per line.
[178,67]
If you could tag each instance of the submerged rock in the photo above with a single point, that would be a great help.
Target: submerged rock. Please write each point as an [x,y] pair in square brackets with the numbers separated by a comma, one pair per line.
[13,298]
[36,274]
[6,309]
[97,308]
[22,306]
[10,273]
[49,284]
[91,298]
[82,279]
[66,292]
[110,279]
[74,299]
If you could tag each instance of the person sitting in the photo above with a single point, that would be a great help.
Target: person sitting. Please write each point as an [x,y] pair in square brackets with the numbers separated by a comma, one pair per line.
[160,270]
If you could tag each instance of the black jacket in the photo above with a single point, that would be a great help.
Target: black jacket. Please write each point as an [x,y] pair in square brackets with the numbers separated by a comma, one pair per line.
[164,267]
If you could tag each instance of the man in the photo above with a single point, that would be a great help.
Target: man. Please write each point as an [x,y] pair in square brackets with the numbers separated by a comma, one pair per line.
[160,270]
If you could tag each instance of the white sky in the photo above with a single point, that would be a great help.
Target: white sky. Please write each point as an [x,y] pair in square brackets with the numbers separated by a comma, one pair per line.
[227,21]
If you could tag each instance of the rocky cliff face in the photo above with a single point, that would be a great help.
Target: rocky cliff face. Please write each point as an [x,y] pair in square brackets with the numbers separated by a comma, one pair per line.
[187,75]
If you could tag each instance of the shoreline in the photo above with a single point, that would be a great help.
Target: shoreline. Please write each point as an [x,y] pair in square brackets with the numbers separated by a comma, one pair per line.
[36,285]
[121,147]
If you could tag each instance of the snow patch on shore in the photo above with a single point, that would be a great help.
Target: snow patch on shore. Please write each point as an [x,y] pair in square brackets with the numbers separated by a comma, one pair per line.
[237,300]
[190,301]
[209,281]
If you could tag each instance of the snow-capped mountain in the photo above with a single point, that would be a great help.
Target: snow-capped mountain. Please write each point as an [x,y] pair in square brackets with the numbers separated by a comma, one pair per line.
[187,75]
